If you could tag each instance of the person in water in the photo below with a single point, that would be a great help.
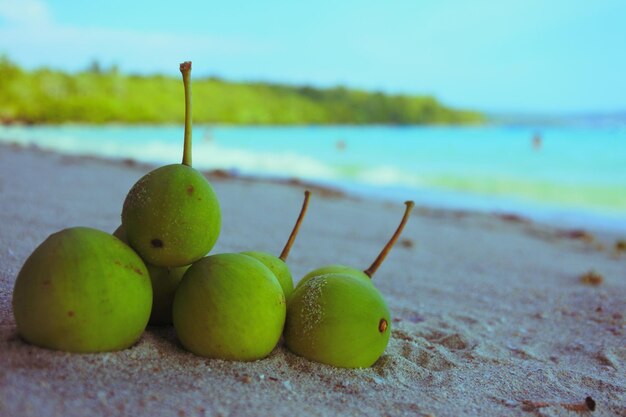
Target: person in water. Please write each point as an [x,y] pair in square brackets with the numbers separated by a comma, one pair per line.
[537,141]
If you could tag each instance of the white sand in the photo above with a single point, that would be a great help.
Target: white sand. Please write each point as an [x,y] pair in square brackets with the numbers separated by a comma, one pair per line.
[490,316]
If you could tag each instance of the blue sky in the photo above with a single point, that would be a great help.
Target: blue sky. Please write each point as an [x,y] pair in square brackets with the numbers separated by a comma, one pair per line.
[554,56]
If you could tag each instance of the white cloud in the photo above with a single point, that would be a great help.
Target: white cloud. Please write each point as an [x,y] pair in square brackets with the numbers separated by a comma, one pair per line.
[30,35]
[25,12]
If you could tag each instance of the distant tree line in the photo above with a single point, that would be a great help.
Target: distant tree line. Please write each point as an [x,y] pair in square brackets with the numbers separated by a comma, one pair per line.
[99,95]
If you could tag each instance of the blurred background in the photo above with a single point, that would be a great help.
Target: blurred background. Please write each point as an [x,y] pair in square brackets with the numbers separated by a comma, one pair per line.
[512,106]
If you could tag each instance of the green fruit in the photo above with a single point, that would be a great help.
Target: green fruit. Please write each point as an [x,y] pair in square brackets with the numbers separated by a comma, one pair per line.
[277,264]
[164,284]
[369,272]
[278,267]
[337,316]
[82,290]
[164,281]
[120,233]
[338,320]
[229,306]
[335,269]
[171,215]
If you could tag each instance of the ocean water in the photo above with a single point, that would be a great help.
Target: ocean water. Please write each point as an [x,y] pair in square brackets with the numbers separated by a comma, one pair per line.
[576,177]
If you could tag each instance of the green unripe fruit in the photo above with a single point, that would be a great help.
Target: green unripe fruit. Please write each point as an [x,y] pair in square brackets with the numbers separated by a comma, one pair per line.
[337,316]
[164,284]
[164,281]
[335,269]
[172,216]
[120,233]
[82,290]
[338,320]
[229,306]
[278,267]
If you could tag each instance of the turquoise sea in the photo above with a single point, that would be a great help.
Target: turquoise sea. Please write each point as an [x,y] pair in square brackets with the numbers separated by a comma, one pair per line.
[575,177]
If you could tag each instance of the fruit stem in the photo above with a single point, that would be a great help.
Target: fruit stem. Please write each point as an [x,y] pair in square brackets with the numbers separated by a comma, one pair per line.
[294,232]
[383,254]
[185,69]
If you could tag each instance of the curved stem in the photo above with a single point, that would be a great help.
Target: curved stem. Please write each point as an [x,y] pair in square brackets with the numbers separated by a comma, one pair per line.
[383,254]
[185,69]
[294,232]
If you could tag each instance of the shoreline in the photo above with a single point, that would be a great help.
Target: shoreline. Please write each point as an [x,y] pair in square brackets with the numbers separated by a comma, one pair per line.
[491,314]
[546,214]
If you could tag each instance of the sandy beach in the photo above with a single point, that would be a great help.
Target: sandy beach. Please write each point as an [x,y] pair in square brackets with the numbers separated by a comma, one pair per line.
[490,315]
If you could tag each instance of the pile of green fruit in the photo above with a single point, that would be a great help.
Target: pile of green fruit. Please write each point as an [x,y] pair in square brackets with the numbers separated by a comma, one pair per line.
[84,290]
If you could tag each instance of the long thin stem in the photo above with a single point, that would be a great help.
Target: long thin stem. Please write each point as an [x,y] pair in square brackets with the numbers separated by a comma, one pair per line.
[294,232]
[185,69]
[383,254]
